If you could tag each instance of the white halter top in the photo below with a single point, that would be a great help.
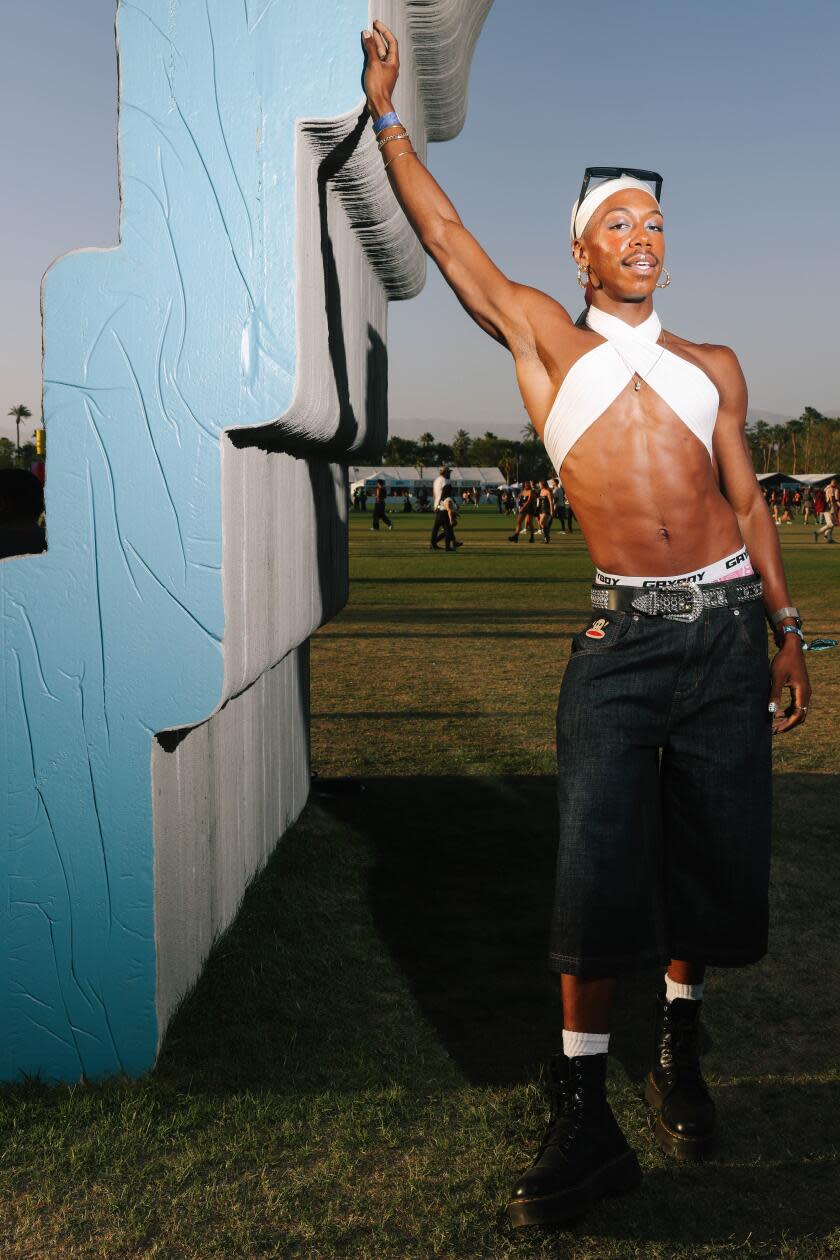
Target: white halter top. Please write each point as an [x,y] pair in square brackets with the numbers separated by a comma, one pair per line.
[596,379]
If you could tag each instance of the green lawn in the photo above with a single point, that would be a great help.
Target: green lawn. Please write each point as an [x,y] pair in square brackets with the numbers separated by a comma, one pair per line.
[355,1074]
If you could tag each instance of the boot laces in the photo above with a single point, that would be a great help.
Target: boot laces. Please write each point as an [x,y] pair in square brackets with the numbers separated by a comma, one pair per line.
[680,1051]
[565,1119]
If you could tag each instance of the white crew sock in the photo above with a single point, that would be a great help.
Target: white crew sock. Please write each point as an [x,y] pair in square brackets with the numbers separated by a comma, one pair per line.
[693,992]
[576,1043]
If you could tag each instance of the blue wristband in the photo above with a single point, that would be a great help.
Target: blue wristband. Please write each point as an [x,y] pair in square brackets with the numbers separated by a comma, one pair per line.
[386,120]
[780,633]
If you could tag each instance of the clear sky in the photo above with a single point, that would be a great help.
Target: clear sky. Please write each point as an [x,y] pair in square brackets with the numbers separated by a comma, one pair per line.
[735,103]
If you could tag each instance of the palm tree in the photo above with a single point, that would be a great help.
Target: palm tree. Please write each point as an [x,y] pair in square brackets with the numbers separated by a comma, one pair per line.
[777,436]
[461,447]
[795,428]
[763,441]
[20,413]
[424,453]
[529,433]
[507,463]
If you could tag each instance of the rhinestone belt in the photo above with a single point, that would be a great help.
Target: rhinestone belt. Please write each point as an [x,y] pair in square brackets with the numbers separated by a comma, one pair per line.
[676,603]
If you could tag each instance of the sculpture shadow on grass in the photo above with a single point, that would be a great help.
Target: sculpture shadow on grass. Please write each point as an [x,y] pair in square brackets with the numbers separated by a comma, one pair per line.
[461,892]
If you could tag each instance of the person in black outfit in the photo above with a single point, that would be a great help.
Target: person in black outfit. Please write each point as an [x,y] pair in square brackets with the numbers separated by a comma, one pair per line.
[379,513]
[527,508]
[21,506]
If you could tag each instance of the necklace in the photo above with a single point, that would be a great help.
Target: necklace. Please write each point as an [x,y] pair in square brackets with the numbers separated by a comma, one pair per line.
[660,341]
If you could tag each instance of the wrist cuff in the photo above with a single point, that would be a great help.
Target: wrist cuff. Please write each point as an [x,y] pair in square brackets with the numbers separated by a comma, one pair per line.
[386,120]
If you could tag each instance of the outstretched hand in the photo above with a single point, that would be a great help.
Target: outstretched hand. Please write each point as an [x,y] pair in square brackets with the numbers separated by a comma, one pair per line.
[382,66]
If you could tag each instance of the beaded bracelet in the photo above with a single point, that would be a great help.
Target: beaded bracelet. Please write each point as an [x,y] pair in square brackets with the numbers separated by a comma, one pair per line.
[401,135]
[386,120]
[405,153]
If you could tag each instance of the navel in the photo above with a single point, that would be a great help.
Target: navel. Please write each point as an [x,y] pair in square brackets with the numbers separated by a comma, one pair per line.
[663,533]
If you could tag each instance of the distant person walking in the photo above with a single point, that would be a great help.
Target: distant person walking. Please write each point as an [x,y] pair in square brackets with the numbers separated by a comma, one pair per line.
[807,504]
[527,509]
[441,526]
[831,500]
[545,508]
[379,513]
[449,505]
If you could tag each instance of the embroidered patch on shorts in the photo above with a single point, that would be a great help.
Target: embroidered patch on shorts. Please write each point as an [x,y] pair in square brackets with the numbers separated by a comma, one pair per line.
[596,630]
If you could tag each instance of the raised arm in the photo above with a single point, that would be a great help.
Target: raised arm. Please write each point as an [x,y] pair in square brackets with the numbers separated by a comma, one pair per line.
[498,305]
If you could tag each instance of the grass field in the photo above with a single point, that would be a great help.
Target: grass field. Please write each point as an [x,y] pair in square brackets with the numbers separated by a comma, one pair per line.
[356,1073]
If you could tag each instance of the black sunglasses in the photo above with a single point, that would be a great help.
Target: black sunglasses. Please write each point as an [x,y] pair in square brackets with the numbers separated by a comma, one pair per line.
[614,172]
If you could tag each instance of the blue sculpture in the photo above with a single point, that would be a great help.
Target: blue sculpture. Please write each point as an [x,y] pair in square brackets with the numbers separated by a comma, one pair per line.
[204,381]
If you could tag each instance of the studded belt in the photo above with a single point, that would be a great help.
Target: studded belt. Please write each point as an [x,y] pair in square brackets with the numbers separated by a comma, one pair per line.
[677,603]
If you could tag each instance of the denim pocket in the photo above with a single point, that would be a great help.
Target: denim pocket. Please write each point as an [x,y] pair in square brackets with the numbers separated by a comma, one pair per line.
[752,628]
[604,630]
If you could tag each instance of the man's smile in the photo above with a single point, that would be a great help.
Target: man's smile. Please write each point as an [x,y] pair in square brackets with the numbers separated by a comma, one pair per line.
[643,263]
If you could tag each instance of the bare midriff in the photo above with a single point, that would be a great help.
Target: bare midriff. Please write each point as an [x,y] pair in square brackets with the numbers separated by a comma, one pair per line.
[645,493]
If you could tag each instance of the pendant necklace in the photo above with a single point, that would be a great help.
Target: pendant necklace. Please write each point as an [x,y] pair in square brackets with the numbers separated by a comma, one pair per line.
[660,340]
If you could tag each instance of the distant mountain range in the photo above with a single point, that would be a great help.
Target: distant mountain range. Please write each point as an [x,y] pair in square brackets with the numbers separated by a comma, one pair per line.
[769,417]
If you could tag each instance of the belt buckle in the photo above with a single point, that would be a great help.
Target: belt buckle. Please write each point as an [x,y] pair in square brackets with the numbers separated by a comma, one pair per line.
[697,605]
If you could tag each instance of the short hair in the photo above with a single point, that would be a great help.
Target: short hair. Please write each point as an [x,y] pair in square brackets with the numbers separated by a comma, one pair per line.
[21,494]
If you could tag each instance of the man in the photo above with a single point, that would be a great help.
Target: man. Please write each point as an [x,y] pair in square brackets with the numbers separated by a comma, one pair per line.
[449,505]
[559,496]
[667,703]
[831,497]
[442,522]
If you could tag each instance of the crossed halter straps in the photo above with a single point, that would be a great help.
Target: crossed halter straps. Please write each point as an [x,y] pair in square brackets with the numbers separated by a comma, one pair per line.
[596,379]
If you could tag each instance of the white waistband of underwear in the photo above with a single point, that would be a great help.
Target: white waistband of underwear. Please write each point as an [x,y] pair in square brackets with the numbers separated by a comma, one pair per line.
[735,566]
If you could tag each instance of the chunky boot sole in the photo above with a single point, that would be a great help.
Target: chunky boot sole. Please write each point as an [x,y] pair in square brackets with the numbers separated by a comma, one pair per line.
[619,1176]
[685,1150]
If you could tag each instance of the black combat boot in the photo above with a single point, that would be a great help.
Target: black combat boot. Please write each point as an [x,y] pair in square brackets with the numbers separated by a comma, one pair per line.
[583,1155]
[685,1113]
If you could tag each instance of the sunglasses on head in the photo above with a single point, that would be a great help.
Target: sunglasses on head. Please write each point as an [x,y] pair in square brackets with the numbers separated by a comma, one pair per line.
[615,172]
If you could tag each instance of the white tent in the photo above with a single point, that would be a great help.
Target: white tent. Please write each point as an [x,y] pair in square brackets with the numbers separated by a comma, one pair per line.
[803,479]
[815,479]
[407,478]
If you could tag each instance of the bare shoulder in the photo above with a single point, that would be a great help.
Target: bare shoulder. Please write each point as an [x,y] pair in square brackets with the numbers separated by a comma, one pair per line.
[720,363]
[541,305]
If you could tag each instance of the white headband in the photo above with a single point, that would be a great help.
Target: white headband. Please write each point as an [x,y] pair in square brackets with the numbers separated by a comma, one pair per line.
[583,211]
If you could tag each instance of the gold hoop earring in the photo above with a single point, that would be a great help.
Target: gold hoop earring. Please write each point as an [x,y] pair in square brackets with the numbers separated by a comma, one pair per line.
[667,276]
[583,283]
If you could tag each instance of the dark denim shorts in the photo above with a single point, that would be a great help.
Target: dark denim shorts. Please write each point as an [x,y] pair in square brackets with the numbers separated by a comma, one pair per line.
[664,788]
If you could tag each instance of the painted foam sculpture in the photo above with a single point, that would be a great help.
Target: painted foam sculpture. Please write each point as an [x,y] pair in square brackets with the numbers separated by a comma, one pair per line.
[205,383]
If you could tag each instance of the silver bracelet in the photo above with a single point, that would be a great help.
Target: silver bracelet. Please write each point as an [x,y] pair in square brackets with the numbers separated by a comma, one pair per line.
[782,613]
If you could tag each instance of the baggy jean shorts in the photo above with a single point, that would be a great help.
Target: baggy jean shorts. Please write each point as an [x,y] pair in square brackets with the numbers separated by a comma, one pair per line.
[664,791]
